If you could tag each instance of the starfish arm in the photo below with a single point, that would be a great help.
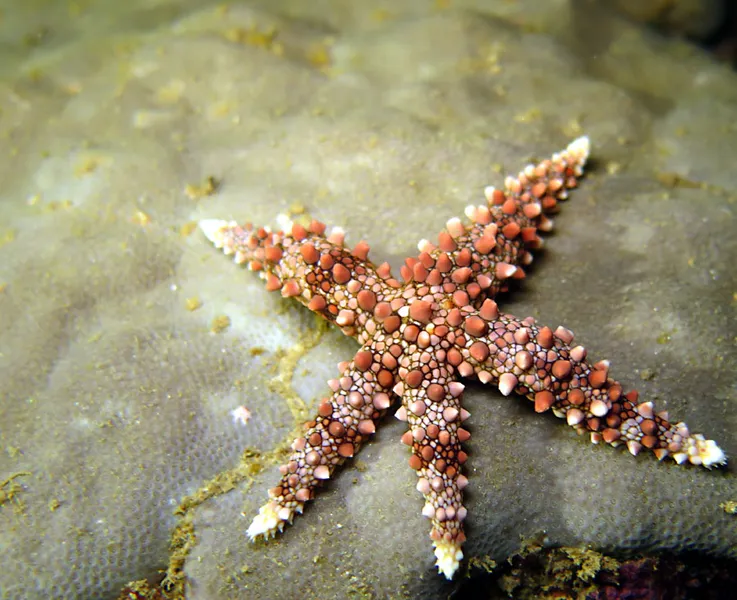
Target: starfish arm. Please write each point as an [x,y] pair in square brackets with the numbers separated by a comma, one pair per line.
[431,405]
[544,365]
[341,285]
[343,422]
[480,258]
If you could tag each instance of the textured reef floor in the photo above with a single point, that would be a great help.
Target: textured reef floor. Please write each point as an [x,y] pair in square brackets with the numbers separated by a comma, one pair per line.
[150,390]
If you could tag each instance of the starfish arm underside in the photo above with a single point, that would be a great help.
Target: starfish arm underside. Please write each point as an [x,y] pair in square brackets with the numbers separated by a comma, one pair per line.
[520,356]
[343,422]
[480,258]
[431,406]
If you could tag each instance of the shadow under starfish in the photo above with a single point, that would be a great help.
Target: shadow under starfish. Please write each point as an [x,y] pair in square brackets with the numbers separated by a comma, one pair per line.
[420,336]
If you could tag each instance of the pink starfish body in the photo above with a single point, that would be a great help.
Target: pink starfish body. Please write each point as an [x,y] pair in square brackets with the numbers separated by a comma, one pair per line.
[420,336]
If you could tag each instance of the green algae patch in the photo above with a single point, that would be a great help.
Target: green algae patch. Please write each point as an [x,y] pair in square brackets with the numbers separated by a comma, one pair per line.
[10,490]
[541,572]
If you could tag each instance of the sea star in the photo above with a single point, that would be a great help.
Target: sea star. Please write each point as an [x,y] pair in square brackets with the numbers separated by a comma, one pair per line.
[420,336]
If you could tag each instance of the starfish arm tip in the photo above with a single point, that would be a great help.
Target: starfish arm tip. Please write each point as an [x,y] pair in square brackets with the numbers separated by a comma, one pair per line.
[266,523]
[580,146]
[706,452]
[213,228]
[449,555]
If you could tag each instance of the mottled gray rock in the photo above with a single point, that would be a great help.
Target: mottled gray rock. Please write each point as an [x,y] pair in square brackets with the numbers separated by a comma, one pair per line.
[118,400]
[695,18]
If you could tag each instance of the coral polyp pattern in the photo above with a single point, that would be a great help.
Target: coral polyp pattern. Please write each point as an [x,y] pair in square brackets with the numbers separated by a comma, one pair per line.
[439,324]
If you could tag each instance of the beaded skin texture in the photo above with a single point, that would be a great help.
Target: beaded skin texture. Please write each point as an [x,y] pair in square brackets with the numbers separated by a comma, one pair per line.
[421,335]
